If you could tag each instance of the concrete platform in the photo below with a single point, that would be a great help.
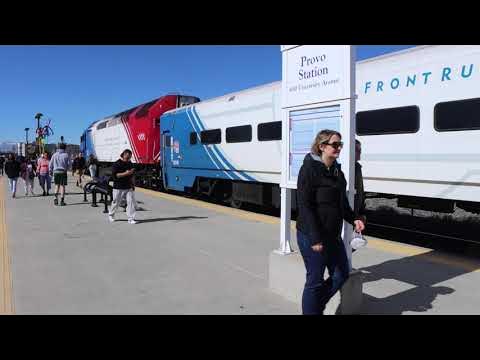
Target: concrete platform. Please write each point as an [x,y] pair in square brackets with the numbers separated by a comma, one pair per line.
[180,259]
[287,278]
[191,257]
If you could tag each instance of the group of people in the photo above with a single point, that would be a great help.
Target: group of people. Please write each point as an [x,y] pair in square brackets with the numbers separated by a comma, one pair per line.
[28,168]
[24,168]
[58,165]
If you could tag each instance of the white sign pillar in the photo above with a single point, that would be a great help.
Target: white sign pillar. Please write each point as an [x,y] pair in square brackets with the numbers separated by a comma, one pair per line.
[318,92]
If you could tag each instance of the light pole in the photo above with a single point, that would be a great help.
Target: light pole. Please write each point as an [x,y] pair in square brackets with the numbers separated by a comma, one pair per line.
[26,135]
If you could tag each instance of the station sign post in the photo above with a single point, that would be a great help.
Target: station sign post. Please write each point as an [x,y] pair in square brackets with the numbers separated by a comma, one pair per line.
[318,92]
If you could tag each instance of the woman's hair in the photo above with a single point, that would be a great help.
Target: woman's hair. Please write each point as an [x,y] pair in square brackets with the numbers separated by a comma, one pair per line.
[126,151]
[323,137]
[11,156]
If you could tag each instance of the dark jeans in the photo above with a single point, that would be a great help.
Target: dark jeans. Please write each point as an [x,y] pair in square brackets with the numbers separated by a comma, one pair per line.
[45,180]
[317,291]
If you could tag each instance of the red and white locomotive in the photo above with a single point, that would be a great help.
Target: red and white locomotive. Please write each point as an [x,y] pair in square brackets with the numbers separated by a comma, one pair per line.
[137,129]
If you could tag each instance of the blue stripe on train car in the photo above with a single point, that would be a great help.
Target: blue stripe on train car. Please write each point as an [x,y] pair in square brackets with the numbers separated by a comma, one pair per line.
[183,165]
[220,154]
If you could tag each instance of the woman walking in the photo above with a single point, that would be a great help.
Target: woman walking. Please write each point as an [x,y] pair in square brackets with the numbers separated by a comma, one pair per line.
[93,167]
[12,169]
[322,207]
[43,174]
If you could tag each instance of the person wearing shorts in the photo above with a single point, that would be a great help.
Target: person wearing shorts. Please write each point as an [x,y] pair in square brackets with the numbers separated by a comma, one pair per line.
[59,165]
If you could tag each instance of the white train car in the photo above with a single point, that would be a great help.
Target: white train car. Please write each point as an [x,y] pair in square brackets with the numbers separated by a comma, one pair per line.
[418,118]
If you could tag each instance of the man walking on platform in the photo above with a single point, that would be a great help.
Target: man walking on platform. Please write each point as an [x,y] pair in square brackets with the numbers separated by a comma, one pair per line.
[123,186]
[12,168]
[2,163]
[59,165]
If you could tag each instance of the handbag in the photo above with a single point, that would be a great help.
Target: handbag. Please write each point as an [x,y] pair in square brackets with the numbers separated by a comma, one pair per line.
[358,241]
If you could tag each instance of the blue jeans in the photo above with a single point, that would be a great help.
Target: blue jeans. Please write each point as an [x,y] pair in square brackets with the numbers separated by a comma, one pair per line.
[317,291]
[45,180]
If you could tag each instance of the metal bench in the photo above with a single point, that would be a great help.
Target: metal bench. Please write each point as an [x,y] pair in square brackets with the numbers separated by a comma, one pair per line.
[101,187]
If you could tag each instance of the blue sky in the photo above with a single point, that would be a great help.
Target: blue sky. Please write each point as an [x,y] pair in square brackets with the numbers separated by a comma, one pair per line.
[75,85]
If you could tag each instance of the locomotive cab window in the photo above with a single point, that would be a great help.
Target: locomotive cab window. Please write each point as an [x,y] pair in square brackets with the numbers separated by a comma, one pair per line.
[238,134]
[270,131]
[211,136]
[187,100]
[102,125]
[401,120]
[457,115]
[193,138]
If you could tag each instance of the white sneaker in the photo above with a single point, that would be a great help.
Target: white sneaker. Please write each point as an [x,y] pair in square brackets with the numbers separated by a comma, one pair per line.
[133,222]
[111,218]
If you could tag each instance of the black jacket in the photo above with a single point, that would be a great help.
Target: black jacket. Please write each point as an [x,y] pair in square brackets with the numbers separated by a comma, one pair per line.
[322,202]
[12,169]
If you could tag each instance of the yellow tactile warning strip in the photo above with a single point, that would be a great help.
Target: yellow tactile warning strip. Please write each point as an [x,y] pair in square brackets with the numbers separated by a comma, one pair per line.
[6,298]
[377,244]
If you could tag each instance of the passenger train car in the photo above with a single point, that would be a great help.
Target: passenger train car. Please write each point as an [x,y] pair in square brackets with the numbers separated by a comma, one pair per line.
[418,118]
[137,129]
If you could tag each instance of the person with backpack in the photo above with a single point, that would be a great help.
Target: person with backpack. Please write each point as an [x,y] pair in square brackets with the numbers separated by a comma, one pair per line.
[12,169]
[28,174]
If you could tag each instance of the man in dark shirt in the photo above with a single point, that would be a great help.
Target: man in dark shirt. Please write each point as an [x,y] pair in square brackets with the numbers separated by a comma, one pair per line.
[359,204]
[123,186]
[2,162]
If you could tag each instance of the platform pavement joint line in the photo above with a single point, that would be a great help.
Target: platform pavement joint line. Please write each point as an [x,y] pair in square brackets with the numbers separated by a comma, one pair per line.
[6,296]
[374,243]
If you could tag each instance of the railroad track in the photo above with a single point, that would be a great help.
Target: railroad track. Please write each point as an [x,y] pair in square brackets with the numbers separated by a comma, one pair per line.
[455,244]
[418,237]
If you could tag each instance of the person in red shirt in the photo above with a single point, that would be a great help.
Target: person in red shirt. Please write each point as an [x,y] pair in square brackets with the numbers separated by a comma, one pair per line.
[43,173]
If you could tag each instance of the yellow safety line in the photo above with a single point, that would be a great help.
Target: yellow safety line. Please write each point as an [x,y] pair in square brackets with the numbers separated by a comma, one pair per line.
[375,243]
[6,298]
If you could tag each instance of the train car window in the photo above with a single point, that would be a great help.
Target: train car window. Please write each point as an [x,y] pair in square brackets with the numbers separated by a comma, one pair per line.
[193,138]
[270,131]
[457,115]
[238,134]
[211,136]
[187,100]
[168,141]
[102,125]
[401,120]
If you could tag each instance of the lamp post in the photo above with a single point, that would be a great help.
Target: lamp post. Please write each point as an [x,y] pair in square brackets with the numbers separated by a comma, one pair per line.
[26,135]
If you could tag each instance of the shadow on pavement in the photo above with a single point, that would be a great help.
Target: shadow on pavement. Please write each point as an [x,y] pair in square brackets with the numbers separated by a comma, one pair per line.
[418,274]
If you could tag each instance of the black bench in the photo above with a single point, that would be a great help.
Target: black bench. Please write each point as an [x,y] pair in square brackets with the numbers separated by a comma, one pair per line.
[100,186]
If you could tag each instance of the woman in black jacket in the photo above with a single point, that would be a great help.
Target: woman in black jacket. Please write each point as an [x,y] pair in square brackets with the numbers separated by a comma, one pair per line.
[12,169]
[322,207]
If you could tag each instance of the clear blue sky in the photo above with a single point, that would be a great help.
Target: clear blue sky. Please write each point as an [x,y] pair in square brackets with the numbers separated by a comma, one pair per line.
[75,85]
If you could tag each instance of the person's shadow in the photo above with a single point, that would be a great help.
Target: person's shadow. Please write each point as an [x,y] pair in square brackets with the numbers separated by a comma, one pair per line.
[180,218]
[409,283]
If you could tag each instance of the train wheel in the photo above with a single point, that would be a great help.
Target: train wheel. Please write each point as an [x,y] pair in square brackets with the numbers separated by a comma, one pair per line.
[236,204]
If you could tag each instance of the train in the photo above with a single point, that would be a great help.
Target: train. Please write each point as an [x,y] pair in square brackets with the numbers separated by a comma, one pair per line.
[138,129]
[417,117]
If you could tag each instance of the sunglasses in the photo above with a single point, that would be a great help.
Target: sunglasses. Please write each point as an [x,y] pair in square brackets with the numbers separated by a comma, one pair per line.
[336,144]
